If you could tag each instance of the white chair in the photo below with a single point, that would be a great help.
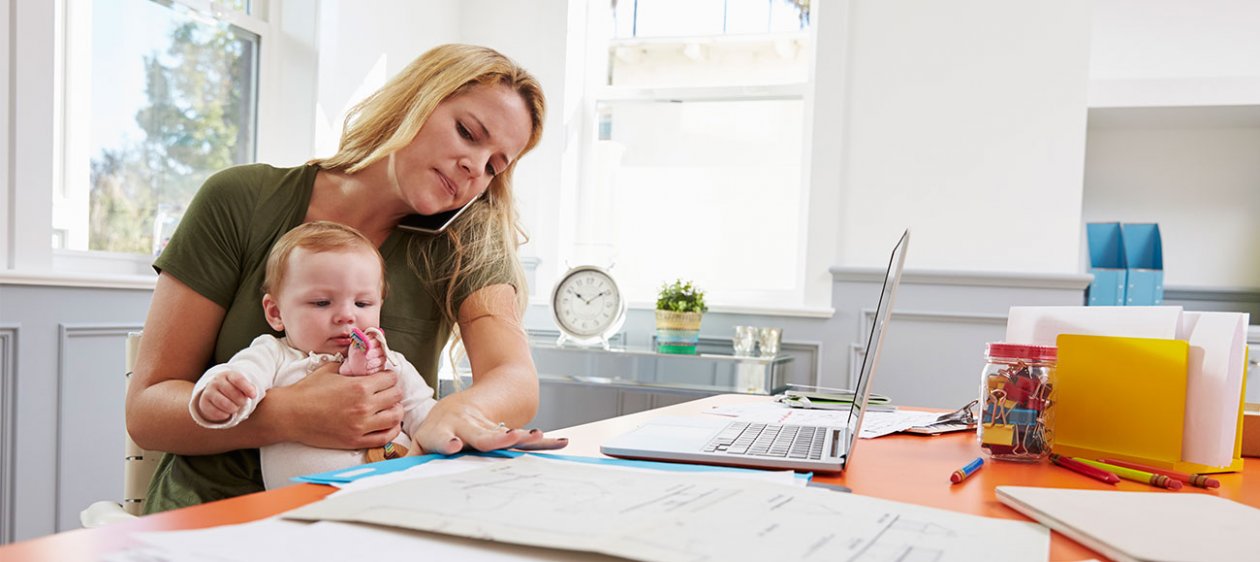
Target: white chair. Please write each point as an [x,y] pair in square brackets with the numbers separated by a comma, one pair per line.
[138,466]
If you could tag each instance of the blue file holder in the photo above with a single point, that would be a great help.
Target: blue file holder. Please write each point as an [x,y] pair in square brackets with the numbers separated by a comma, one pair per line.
[1144,254]
[1107,264]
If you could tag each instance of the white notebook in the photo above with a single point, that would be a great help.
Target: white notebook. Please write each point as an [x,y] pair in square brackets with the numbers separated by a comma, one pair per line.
[1158,526]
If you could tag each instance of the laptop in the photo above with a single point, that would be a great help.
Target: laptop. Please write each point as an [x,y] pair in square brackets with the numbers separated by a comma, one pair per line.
[706,439]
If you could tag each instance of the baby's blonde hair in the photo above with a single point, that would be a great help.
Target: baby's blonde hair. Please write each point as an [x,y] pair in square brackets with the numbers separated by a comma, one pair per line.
[318,236]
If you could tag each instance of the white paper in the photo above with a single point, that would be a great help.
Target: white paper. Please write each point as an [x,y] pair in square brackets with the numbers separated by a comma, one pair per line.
[668,517]
[1041,325]
[1143,525]
[875,423]
[283,541]
[1213,385]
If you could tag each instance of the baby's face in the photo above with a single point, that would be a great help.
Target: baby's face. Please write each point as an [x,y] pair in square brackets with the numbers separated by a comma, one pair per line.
[323,296]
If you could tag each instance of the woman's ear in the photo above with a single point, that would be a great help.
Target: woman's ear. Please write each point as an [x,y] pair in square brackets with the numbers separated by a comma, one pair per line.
[271,309]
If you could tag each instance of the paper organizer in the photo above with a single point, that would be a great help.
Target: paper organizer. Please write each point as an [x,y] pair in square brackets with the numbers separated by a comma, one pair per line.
[1125,398]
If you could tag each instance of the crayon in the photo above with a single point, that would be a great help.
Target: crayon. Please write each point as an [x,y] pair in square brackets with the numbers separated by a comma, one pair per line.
[1200,480]
[1095,473]
[962,473]
[1157,480]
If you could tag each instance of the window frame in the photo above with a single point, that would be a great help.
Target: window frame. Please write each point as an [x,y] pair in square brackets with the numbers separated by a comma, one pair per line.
[806,297]
[36,172]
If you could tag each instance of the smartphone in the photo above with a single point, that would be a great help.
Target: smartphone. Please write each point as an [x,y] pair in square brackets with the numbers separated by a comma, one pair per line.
[433,224]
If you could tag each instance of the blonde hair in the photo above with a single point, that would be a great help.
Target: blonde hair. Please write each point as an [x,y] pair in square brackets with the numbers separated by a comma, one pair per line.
[318,236]
[489,231]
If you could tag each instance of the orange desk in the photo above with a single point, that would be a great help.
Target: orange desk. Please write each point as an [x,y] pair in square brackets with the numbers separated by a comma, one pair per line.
[908,468]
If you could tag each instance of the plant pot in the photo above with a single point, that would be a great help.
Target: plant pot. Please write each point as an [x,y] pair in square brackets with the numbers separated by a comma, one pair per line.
[677,332]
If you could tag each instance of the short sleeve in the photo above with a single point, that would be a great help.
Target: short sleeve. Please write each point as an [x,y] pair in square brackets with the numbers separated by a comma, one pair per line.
[206,250]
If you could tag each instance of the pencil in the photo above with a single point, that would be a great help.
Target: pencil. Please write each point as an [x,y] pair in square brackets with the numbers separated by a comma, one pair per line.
[1092,472]
[1200,480]
[1157,480]
[962,473]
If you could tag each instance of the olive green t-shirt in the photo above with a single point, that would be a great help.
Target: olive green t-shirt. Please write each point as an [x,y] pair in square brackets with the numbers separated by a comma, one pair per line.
[220,251]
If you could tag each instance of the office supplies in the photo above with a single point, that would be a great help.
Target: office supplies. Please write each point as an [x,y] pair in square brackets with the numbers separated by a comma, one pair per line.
[1214,385]
[1082,468]
[672,516]
[738,443]
[1143,525]
[961,419]
[962,473]
[1016,385]
[1200,480]
[823,398]
[1141,476]
[1126,398]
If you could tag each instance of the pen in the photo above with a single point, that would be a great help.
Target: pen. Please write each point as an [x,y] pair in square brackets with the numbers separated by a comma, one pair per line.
[1157,480]
[1092,472]
[1200,480]
[962,473]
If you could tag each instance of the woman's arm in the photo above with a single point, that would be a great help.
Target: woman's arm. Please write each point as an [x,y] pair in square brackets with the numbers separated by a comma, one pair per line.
[179,338]
[505,383]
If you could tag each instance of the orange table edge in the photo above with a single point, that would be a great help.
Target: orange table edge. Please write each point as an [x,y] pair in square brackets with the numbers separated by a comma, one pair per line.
[901,467]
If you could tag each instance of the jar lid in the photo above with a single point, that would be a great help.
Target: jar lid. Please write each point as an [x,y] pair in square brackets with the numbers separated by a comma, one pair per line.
[1021,351]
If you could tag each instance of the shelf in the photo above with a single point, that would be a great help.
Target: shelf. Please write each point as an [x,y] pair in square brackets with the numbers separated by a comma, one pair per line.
[642,369]
[1174,92]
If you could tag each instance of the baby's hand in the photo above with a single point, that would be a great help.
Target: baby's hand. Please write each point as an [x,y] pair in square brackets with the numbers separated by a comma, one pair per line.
[225,396]
[366,354]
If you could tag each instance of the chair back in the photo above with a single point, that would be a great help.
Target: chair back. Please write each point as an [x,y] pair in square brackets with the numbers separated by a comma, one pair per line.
[138,464]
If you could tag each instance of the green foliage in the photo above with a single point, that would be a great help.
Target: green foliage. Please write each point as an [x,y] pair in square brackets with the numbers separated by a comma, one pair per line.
[681,297]
[196,121]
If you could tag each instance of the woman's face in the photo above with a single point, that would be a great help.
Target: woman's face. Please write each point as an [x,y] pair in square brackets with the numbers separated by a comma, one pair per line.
[467,140]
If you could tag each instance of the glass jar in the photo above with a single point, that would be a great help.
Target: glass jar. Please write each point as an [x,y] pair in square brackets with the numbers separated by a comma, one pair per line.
[1017,402]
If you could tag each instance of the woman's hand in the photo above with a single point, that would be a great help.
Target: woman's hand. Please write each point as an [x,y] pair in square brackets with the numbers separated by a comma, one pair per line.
[332,411]
[456,422]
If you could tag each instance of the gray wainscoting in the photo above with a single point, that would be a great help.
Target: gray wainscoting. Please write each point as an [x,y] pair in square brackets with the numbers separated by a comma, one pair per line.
[64,425]
[90,386]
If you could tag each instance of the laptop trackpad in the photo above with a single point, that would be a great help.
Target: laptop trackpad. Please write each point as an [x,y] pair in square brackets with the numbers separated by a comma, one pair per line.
[667,436]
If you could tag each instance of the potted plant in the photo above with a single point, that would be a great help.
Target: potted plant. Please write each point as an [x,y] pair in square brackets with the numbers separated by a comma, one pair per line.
[679,308]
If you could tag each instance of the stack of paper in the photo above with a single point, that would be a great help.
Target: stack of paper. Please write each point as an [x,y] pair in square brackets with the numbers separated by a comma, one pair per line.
[582,508]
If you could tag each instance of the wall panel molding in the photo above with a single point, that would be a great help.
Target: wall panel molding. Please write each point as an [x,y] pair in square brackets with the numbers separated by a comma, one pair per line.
[66,334]
[8,435]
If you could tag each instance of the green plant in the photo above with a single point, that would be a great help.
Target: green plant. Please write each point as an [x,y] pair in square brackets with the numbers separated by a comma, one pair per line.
[681,297]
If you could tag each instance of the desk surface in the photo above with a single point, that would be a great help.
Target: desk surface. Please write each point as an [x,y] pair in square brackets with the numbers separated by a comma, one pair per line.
[909,468]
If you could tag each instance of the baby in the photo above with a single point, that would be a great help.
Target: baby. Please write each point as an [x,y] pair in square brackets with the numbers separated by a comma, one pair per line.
[323,288]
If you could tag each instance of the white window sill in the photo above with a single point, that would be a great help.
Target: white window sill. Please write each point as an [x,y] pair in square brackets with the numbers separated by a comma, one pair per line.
[72,279]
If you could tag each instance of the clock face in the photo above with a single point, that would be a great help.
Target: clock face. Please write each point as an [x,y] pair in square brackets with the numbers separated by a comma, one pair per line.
[587,303]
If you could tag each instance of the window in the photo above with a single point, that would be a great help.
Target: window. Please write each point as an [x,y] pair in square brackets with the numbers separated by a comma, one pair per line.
[696,170]
[159,95]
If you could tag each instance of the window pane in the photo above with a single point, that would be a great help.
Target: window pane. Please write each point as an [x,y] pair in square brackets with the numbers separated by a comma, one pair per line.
[750,61]
[701,18]
[703,190]
[170,99]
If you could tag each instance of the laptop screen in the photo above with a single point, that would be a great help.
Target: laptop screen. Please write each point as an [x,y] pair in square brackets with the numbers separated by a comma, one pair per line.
[883,312]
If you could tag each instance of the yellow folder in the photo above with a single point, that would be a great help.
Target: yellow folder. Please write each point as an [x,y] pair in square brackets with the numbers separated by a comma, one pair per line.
[1125,398]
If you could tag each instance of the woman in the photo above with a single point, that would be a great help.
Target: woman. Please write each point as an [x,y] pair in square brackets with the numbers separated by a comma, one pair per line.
[446,131]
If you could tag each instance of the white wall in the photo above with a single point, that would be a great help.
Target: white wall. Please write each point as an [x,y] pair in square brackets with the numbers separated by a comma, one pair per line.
[966,122]
[1200,183]
[362,43]
[539,35]
[1137,39]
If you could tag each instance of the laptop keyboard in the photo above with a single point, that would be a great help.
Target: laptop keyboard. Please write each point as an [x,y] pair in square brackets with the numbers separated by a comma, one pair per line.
[769,440]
